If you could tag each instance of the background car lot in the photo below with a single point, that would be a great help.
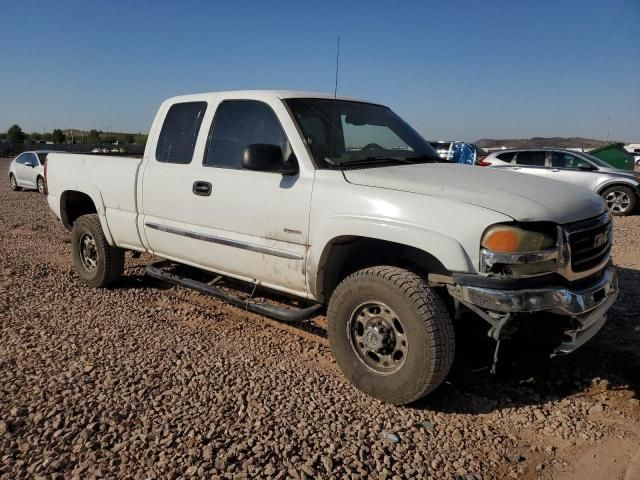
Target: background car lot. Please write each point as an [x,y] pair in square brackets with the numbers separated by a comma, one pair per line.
[150,381]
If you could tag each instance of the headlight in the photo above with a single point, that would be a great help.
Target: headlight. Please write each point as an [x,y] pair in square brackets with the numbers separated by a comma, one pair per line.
[517,251]
[509,239]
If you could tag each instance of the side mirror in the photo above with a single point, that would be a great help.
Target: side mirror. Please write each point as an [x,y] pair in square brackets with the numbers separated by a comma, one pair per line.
[585,166]
[29,164]
[264,157]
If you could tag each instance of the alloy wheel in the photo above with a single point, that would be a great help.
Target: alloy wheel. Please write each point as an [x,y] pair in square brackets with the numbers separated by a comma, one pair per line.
[618,202]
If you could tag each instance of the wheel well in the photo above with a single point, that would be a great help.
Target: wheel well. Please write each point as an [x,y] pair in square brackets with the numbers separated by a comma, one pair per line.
[606,187]
[348,254]
[73,205]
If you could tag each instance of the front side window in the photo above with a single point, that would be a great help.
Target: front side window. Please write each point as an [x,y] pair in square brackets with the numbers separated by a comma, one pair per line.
[179,132]
[21,158]
[565,160]
[533,159]
[238,124]
[30,157]
[342,133]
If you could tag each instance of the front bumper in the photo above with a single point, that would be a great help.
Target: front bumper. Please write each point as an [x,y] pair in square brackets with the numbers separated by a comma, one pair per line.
[555,299]
[586,306]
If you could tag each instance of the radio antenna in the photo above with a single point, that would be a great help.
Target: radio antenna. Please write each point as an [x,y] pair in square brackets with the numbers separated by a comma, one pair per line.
[335,90]
[335,95]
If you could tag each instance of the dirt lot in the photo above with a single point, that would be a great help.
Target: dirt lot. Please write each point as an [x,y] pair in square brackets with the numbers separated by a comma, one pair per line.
[146,381]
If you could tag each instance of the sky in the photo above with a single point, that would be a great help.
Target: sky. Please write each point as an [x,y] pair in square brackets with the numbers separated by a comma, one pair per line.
[460,70]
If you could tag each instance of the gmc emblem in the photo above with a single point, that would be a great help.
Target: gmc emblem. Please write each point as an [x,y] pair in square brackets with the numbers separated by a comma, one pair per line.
[600,239]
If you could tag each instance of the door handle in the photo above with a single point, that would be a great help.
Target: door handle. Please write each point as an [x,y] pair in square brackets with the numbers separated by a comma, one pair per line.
[202,189]
[516,168]
[555,170]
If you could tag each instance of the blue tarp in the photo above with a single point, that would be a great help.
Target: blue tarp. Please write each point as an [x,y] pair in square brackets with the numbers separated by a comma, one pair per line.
[462,153]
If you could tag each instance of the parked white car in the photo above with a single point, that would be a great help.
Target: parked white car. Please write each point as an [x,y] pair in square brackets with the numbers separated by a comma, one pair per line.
[341,204]
[27,171]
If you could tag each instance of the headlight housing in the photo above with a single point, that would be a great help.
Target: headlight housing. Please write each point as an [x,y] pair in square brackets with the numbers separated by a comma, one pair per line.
[519,250]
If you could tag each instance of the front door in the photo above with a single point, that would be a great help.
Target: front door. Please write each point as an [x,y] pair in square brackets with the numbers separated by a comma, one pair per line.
[215,214]
[563,166]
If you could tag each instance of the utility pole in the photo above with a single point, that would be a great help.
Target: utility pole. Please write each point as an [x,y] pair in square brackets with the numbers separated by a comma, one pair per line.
[609,129]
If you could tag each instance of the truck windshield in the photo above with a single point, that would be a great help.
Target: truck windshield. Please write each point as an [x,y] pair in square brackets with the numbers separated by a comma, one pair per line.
[343,134]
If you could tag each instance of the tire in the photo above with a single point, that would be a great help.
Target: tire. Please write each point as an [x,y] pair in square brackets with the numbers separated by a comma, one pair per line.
[97,263]
[425,327]
[40,185]
[620,200]
[13,183]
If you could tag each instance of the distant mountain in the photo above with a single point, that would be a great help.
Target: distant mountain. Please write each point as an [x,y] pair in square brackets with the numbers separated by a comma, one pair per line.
[539,142]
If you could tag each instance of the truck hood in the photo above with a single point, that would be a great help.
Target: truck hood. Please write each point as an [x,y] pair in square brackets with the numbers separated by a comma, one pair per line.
[522,197]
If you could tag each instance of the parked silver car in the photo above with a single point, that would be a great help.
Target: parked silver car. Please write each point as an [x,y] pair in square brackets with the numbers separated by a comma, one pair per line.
[619,188]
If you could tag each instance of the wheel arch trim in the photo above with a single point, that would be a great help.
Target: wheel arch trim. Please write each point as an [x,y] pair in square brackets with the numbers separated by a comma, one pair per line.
[94,194]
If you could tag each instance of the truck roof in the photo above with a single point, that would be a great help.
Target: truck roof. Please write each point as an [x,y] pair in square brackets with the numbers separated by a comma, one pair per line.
[255,94]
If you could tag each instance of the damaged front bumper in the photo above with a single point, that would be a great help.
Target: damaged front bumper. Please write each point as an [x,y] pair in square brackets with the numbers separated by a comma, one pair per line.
[586,305]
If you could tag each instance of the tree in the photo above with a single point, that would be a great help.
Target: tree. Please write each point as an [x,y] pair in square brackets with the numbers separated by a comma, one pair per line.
[35,136]
[58,136]
[129,138]
[93,137]
[15,134]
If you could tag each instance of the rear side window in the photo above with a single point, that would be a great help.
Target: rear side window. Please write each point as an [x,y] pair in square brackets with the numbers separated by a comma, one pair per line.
[179,132]
[533,159]
[238,124]
[506,157]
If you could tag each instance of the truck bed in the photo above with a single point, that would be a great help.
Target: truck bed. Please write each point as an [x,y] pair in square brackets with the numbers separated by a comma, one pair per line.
[113,183]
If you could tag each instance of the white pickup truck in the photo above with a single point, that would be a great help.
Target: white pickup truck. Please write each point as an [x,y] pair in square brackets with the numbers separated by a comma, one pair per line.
[338,202]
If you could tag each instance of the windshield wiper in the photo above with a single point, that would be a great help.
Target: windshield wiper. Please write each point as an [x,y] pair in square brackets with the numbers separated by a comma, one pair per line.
[340,162]
[424,158]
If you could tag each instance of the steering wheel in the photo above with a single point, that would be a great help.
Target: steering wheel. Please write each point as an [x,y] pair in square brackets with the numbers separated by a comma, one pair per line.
[372,146]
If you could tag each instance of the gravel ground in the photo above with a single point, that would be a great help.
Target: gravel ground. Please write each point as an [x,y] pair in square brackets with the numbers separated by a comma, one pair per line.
[147,381]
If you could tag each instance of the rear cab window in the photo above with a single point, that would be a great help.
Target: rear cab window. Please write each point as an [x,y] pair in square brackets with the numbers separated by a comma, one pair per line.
[179,132]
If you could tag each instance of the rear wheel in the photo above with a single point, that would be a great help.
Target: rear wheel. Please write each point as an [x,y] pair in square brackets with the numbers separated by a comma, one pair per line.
[13,183]
[620,200]
[40,184]
[97,263]
[391,334]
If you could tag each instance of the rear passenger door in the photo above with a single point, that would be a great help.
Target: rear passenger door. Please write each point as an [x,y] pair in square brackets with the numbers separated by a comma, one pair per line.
[531,162]
[214,214]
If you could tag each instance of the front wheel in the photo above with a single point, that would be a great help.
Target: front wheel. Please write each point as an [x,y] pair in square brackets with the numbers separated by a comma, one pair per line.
[13,183]
[97,263]
[391,334]
[620,200]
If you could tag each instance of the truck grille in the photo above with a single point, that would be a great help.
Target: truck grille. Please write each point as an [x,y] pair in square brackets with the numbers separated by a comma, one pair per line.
[590,242]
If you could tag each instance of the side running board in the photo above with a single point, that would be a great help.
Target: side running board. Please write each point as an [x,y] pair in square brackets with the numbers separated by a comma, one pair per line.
[290,315]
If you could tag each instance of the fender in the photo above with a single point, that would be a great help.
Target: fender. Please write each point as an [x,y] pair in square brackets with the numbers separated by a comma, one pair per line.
[96,197]
[446,249]
[619,181]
